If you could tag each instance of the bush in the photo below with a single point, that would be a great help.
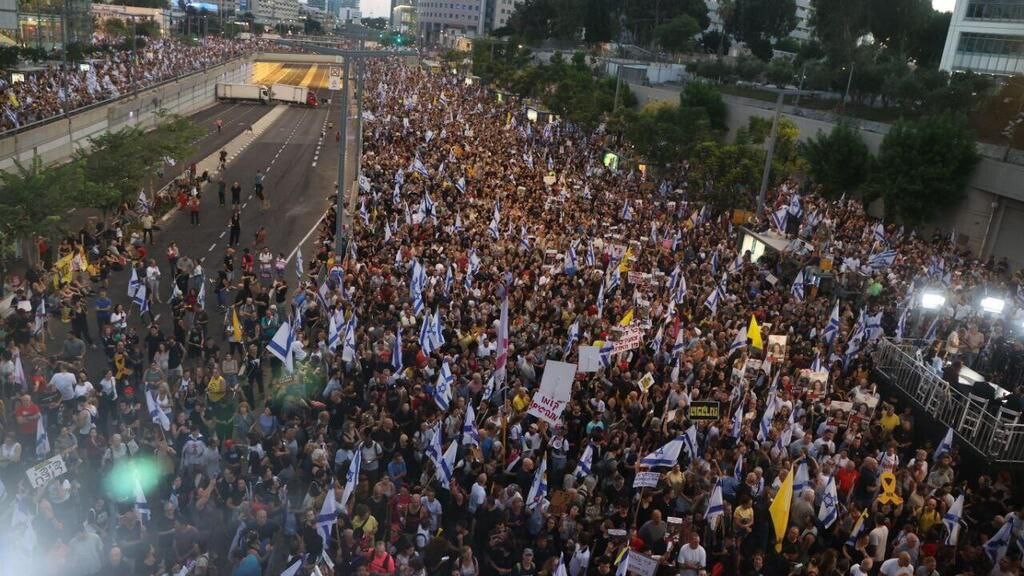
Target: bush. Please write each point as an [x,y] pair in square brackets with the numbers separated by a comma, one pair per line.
[704,95]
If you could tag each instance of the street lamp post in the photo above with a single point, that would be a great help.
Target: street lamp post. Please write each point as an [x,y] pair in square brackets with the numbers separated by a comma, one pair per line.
[769,153]
[341,225]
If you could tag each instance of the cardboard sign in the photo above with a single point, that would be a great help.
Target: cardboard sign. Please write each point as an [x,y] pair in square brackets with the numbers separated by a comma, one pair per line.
[555,389]
[646,382]
[646,479]
[642,564]
[589,359]
[41,474]
[631,339]
[704,410]
[641,279]
[887,483]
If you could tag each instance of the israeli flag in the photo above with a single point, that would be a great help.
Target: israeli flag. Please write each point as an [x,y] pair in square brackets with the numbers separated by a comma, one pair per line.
[667,455]
[858,528]
[951,520]
[828,511]
[627,212]
[524,238]
[678,346]
[142,204]
[817,365]
[605,354]
[426,343]
[155,413]
[281,346]
[329,509]
[586,461]
[590,259]
[539,488]
[932,328]
[995,547]
[396,194]
[460,185]
[680,294]
[713,299]
[802,479]
[396,351]
[715,505]
[458,222]
[351,477]
[571,264]
[493,229]
[348,351]
[437,330]
[740,341]
[470,434]
[737,421]
[134,284]
[42,439]
[574,334]
[600,300]
[764,430]
[945,446]
[201,297]
[832,328]
[779,219]
[419,168]
[616,278]
[488,389]
[901,325]
[737,469]
[798,287]
[141,300]
[141,506]
[878,232]
[443,387]
[882,260]
[449,281]
[39,320]
[690,442]
[333,336]
[364,213]
[654,232]
[714,263]
[873,327]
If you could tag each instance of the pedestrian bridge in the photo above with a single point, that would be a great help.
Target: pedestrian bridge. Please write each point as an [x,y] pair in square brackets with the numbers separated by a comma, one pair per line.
[331,56]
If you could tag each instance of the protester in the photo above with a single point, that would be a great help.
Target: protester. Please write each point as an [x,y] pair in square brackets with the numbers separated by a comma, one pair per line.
[378,415]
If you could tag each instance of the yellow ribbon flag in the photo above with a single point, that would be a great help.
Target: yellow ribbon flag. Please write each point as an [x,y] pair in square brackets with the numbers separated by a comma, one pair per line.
[780,509]
[624,264]
[236,326]
[754,333]
[627,319]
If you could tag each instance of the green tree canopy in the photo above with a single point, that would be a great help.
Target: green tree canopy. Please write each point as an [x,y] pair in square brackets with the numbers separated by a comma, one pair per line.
[678,34]
[838,161]
[667,134]
[699,94]
[923,165]
[33,199]
[758,22]
[725,175]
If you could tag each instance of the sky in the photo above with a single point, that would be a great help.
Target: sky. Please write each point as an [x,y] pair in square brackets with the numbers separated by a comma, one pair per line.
[372,8]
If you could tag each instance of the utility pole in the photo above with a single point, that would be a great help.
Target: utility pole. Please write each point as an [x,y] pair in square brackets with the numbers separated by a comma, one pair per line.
[618,87]
[341,212]
[768,155]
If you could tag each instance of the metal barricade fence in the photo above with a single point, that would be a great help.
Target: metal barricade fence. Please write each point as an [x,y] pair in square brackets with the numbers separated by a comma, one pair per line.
[974,423]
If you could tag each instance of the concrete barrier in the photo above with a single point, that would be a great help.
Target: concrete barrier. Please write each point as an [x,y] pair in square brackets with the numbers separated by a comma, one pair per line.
[56,141]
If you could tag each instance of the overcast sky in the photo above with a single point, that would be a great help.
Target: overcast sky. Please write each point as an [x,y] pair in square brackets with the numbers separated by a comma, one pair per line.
[381,7]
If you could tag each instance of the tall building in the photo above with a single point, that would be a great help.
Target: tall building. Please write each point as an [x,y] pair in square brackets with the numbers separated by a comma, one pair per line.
[985,36]
[804,12]
[500,11]
[439,20]
[274,12]
[41,23]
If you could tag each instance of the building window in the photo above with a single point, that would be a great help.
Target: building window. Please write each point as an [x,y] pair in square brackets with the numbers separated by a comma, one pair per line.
[995,10]
[976,43]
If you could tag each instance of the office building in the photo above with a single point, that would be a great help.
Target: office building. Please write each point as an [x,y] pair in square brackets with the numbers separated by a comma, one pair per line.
[439,20]
[403,18]
[274,12]
[499,11]
[804,12]
[985,36]
[41,23]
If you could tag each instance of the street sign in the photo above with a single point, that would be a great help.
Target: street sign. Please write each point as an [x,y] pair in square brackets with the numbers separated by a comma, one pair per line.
[334,79]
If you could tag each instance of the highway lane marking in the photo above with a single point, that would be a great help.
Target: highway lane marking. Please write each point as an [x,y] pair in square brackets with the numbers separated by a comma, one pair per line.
[222,234]
[212,246]
[306,237]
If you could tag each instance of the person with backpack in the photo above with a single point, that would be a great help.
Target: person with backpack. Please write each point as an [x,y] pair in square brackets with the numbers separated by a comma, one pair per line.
[379,561]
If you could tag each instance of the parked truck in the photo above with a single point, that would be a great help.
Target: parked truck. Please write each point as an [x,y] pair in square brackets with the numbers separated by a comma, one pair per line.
[293,94]
[250,92]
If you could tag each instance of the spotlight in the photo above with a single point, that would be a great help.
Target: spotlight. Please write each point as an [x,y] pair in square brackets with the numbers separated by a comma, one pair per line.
[932,300]
[993,305]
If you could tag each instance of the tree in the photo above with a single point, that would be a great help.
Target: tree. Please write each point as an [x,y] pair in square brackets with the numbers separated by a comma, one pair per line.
[895,24]
[712,40]
[839,161]
[705,96]
[923,165]
[780,72]
[837,25]
[757,22]
[927,44]
[378,23]
[725,175]
[33,201]
[312,26]
[665,134]
[677,34]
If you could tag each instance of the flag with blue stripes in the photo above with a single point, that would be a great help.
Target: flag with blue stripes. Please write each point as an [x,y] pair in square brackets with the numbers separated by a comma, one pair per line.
[715,505]
[798,286]
[396,351]
[443,388]
[828,511]
[667,455]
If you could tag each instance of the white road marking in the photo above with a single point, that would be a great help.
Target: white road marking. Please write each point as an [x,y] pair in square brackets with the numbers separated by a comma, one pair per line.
[306,237]
[212,246]
[222,234]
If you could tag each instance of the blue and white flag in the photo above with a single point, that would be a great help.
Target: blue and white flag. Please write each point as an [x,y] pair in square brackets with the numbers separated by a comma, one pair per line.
[142,204]
[798,286]
[627,212]
[779,219]
[425,340]
[524,237]
[600,300]
[449,281]
[873,326]
[882,260]
[714,263]
[134,284]
[586,461]
[141,506]
[929,336]
[713,299]
[817,365]
[737,421]
[571,264]
[689,438]
[443,388]
[141,299]
[329,510]
[492,228]
[794,205]
[364,213]
[352,476]
[679,345]
[801,479]
[715,505]
[740,341]
[878,232]
[945,446]
[616,277]
[539,488]
[764,430]
[832,328]
[901,325]
[419,168]
[157,415]
[667,455]
[299,265]
[485,396]
[996,546]
[281,346]
[460,184]
[470,433]
[42,439]
[951,520]
[828,511]
[858,528]
[737,469]
[458,222]
[605,354]
[396,351]
[573,337]
[396,194]
[348,350]
[437,330]
[333,335]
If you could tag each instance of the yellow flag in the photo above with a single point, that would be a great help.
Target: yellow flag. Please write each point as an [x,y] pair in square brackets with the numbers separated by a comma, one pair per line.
[627,319]
[236,326]
[780,509]
[754,333]
[624,264]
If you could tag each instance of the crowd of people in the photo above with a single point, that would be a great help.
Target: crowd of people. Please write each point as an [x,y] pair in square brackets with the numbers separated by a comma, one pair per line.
[61,89]
[381,414]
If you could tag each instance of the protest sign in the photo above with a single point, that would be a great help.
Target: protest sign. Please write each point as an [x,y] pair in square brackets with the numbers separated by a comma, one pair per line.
[555,388]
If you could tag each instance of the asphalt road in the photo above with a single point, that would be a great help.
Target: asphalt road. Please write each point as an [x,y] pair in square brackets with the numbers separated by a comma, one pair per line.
[296,184]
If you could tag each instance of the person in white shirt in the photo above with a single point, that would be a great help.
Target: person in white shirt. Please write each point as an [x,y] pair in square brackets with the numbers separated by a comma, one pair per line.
[898,566]
[478,493]
[692,558]
[862,569]
[580,559]
[878,538]
[64,382]
[153,280]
